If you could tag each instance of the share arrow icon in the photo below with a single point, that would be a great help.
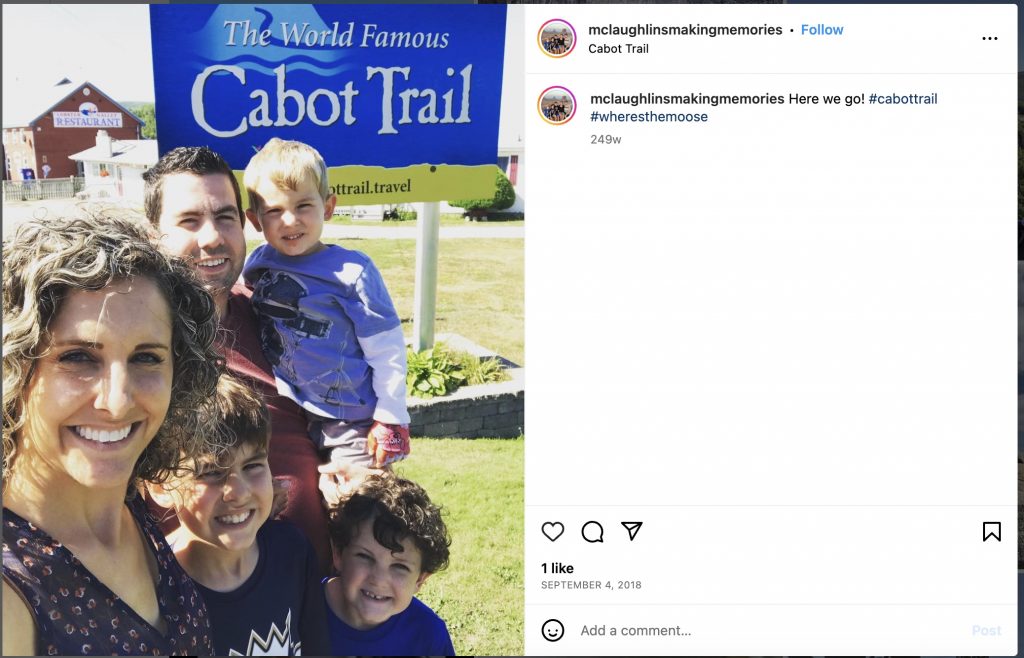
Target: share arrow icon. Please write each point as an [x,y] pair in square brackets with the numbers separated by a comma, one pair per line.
[632,527]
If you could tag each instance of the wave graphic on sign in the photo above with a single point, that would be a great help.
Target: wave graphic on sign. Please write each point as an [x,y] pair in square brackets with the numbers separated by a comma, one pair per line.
[266,67]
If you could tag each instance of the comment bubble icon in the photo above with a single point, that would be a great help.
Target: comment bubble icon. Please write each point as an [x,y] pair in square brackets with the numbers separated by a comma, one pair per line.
[593,532]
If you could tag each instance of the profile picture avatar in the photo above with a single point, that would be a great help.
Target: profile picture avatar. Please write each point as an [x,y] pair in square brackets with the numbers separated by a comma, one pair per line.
[556,105]
[556,37]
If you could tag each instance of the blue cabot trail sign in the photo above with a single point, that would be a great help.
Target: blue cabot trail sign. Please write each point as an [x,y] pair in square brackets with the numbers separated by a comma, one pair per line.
[402,101]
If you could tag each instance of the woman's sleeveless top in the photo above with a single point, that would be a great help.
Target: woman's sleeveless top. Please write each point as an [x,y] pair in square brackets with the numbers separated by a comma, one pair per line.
[76,614]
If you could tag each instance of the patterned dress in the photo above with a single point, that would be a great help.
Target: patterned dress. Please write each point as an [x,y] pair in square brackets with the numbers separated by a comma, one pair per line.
[77,615]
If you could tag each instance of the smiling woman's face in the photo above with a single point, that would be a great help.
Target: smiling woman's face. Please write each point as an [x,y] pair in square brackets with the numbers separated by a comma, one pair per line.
[101,388]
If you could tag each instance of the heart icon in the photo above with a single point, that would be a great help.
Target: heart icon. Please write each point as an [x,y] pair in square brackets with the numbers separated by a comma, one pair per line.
[552,530]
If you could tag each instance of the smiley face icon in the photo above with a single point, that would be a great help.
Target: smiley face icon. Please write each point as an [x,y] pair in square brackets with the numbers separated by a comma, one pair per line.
[552,630]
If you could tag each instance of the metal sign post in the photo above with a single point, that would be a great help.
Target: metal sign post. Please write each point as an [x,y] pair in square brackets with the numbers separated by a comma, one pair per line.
[425,292]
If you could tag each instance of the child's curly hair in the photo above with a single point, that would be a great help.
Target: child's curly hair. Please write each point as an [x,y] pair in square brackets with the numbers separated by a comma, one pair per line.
[398,508]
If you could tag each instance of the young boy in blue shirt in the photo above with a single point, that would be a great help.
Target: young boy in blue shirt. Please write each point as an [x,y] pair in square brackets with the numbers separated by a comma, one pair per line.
[327,324]
[388,538]
[259,578]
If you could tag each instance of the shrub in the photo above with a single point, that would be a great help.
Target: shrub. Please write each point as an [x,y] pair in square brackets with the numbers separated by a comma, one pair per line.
[504,196]
[481,371]
[399,214]
[433,372]
[441,370]
[505,216]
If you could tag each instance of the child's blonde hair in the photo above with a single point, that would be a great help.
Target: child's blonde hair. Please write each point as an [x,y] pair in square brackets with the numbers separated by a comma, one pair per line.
[287,164]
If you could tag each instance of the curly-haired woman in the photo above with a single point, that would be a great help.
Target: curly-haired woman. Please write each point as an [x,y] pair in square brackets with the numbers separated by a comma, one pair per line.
[107,353]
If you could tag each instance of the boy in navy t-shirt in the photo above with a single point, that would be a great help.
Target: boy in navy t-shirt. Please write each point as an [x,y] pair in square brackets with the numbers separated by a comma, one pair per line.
[388,539]
[259,578]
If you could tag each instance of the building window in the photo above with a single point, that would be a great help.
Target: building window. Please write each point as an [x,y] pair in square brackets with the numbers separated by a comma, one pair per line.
[513,169]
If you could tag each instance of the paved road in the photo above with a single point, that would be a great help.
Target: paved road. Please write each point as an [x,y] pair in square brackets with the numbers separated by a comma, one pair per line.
[15,213]
[409,232]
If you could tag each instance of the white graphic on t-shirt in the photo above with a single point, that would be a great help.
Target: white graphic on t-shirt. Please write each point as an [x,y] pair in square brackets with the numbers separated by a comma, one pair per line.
[278,642]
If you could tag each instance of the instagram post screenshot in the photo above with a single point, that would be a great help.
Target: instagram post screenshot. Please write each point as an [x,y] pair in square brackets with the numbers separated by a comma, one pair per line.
[270,293]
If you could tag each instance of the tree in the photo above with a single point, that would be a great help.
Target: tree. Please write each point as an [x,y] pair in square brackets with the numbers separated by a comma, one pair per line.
[147,112]
[504,197]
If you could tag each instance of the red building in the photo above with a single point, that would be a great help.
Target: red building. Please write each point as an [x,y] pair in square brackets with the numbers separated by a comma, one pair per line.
[66,124]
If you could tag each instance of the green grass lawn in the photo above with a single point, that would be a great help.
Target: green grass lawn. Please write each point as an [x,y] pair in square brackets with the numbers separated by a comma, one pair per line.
[479,287]
[479,484]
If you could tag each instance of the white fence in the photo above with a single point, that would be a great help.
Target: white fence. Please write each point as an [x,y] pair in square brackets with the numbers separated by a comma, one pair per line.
[47,188]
